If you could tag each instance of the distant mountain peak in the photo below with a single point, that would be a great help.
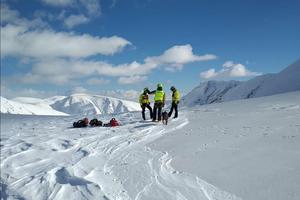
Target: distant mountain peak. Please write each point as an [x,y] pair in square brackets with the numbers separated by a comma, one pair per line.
[94,104]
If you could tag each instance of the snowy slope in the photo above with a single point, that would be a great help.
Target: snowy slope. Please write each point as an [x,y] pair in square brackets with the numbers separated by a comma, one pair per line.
[208,92]
[269,84]
[94,104]
[31,107]
[286,81]
[28,100]
[250,148]
[235,150]
[52,100]
[247,89]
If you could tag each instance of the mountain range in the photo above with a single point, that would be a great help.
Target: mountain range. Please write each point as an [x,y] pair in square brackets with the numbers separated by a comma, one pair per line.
[268,84]
[206,93]
[74,104]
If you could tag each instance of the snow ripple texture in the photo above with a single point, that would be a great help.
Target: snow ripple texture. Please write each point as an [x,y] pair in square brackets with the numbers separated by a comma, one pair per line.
[42,159]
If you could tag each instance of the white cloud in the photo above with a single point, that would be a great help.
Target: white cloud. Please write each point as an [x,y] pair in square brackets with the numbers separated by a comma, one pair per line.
[10,16]
[32,78]
[29,92]
[75,20]
[20,41]
[62,71]
[25,92]
[211,73]
[92,6]
[129,72]
[229,70]
[177,56]
[7,14]
[121,94]
[113,3]
[25,38]
[96,81]
[42,14]
[85,10]
[60,3]
[228,64]
[131,79]
[78,89]
[85,68]
[62,57]
[131,95]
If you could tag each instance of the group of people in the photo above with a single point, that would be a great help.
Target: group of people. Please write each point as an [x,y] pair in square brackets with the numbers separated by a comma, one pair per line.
[159,102]
[155,114]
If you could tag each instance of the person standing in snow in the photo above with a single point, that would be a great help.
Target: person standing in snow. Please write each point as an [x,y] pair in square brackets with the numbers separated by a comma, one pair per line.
[159,102]
[145,103]
[175,101]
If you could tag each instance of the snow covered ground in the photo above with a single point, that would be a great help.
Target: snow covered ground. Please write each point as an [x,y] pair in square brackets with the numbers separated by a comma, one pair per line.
[247,149]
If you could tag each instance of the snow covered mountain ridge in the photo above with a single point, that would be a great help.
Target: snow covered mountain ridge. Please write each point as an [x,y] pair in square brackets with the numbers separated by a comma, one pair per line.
[94,104]
[83,104]
[37,108]
[269,84]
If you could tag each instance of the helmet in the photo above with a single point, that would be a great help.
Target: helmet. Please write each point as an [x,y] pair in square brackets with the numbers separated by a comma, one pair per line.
[172,88]
[146,89]
[159,85]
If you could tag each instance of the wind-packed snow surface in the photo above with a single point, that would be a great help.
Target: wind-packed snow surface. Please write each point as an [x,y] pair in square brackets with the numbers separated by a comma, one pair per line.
[75,104]
[247,149]
[269,84]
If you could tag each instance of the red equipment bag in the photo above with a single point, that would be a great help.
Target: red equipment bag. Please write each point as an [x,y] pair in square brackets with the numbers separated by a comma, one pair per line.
[114,122]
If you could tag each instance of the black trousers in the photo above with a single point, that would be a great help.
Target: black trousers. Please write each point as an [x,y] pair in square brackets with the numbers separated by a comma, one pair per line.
[174,107]
[144,106]
[157,110]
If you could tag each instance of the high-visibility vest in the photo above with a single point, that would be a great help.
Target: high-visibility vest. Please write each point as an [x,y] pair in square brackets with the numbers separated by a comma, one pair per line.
[176,96]
[159,96]
[144,98]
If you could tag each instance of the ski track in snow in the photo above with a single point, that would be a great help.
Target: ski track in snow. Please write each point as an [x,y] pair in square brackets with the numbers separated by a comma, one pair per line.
[42,159]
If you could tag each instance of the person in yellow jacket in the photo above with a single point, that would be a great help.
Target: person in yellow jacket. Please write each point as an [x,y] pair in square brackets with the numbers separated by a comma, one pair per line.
[159,101]
[145,102]
[175,101]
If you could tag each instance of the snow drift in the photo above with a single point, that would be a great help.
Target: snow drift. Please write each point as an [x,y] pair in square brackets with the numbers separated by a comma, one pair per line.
[240,149]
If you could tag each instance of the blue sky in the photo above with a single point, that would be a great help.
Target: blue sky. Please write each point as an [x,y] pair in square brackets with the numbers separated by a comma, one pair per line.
[117,47]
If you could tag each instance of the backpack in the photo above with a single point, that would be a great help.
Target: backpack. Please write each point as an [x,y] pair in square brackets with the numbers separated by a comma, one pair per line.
[95,122]
[113,122]
[80,123]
